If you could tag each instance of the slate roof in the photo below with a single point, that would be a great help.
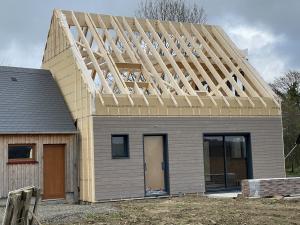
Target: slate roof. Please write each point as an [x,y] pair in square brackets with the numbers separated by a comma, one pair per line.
[31,102]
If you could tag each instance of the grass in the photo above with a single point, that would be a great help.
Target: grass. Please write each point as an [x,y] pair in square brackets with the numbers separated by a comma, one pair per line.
[296,172]
[199,210]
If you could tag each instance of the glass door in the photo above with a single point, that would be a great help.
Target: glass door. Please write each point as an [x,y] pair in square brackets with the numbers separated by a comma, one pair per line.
[214,162]
[225,161]
[236,160]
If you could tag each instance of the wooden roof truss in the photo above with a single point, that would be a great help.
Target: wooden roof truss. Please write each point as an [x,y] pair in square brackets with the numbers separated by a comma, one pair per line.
[179,63]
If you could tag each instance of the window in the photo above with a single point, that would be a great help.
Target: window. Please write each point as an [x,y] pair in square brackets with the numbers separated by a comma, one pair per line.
[236,147]
[119,146]
[21,153]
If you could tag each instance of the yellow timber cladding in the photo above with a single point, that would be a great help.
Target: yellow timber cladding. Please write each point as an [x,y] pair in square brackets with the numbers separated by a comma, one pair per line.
[15,176]
[120,66]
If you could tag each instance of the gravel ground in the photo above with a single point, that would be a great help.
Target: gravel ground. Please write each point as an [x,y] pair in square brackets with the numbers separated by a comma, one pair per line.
[176,211]
[65,213]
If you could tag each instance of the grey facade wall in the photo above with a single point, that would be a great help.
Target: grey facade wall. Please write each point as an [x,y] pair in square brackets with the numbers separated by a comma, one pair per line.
[124,178]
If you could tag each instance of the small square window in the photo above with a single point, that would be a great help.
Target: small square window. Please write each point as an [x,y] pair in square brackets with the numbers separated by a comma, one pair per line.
[21,153]
[119,146]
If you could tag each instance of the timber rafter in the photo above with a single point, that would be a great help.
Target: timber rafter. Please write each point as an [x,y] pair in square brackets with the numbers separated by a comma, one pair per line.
[133,61]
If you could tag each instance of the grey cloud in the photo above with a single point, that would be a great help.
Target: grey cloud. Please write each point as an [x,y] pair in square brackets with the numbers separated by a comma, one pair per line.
[26,22]
[281,17]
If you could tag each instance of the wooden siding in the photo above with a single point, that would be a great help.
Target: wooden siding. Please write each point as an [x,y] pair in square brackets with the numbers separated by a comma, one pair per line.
[78,97]
[124,178]
[20,175]
[56,41]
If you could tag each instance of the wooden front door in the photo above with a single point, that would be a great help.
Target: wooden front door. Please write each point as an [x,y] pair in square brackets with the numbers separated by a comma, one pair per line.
[54,172]
[154,165]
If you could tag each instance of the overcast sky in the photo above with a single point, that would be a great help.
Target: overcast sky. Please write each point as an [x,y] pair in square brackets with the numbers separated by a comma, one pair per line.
[269,29]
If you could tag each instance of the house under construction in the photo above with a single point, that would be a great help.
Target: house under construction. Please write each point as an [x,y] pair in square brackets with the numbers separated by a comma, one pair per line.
[161,108]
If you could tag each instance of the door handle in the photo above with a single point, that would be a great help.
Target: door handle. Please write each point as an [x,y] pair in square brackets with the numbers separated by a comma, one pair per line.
[163,165]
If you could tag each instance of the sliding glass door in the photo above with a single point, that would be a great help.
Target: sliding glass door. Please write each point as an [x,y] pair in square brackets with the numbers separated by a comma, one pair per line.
[214,162]
[226,161]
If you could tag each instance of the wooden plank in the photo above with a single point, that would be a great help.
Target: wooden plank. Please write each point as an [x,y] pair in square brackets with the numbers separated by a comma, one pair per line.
[140,84]
[94,60]
[129,66]
[91,56]
[16,208]
[8,212]
[27,194]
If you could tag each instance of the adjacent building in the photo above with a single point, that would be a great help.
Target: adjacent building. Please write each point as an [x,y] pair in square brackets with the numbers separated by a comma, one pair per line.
[37,135]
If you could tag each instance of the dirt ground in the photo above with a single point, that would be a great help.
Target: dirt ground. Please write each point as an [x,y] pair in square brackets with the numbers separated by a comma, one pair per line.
[198,210]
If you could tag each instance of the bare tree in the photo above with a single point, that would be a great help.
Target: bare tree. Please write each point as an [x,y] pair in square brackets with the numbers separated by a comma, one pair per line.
[288,88]
[173,10]
[284,83]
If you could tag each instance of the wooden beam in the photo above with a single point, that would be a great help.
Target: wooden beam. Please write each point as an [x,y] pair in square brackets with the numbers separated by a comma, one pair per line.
[147,61]
[110,63]
[194,54]
[121,34]
[161,63]
[112,43]
[194,60]
[183,60]
[170,59]
[94,60]
[218,62]
[129,66]
[135,57]
[73,47]
[208,64]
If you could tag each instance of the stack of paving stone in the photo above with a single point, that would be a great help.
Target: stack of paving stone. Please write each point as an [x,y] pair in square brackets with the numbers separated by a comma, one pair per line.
[271,187]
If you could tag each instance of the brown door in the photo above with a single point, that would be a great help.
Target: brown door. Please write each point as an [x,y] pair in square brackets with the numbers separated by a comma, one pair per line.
[154,164]
[54,172]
